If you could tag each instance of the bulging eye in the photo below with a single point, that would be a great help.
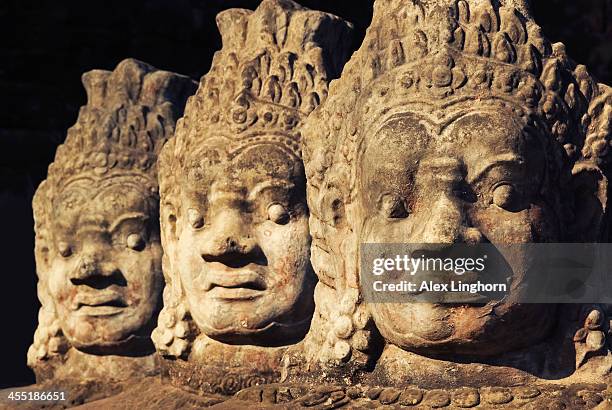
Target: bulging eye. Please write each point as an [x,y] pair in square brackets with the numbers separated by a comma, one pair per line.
[135,241]
[394,207]
[64,249]
[507,197]
[195,218]
[278,214]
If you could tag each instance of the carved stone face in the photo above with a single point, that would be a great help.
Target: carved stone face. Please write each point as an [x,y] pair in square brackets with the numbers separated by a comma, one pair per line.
[478,180]
[105,272]
[243,246]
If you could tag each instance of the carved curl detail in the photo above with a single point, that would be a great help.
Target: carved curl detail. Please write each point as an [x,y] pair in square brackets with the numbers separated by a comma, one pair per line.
[175,330]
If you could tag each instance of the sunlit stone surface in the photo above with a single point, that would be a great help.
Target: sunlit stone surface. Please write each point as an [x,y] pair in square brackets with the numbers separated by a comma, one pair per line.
[98,248]
[455,122]
[233,200]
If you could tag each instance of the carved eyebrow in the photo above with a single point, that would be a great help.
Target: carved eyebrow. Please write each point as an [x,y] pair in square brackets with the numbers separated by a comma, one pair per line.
[507,158]
[274,183]
[126,217]
[438,165]
[93,223]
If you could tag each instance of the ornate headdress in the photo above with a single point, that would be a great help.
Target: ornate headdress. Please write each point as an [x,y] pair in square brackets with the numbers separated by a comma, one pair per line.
[130,114]
[472,50]
[273,70]
[441,57]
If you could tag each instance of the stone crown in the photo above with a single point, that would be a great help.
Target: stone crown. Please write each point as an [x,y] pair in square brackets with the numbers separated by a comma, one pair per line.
[129,115]
[272,71]
[439,57]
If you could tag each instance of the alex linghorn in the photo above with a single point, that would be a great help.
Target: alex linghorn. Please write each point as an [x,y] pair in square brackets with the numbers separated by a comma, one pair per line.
[431,286]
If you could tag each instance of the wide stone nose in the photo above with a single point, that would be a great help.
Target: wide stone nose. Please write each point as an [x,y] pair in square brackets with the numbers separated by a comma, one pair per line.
[444,222]
[87,267]
[94,262]
[230,240]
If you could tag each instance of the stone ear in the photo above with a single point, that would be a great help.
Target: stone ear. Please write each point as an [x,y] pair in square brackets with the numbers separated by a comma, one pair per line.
[590,194]
[42,240]
[41,255]
[168,216]
[331,207]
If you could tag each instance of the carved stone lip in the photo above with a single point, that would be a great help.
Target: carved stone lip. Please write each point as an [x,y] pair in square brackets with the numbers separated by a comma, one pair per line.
[234,284]
[442,276]
[471,298]
[102,310]
[101,303]
[235,293]
[468,277]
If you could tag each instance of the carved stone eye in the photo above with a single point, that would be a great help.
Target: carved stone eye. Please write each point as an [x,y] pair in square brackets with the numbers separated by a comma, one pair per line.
[64,249]
[135,241]
[507,197]
[278,214]
[195,218]
[394,207]
[465,194]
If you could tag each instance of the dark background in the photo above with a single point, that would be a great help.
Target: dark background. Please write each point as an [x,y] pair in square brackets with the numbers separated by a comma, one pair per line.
[45,46]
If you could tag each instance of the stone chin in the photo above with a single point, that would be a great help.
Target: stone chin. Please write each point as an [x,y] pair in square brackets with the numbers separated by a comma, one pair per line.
[472,331]
[262,321]
[101,346]
[114,334]
[272,334]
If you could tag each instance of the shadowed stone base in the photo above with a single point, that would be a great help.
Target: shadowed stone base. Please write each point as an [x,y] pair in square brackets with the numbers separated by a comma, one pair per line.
[359,397]
[77,392]
[151,393]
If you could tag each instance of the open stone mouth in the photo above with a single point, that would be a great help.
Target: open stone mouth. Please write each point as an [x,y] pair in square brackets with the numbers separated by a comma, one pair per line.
[451,295]
[111,303]
[100,307]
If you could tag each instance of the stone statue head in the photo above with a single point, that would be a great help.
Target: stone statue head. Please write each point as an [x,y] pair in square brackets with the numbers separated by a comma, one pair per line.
[455,122]
[233,205]
[98,249]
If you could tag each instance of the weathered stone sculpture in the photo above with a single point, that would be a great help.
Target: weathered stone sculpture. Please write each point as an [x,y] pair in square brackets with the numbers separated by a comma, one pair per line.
[233,206]
[456,121]
[98,249]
